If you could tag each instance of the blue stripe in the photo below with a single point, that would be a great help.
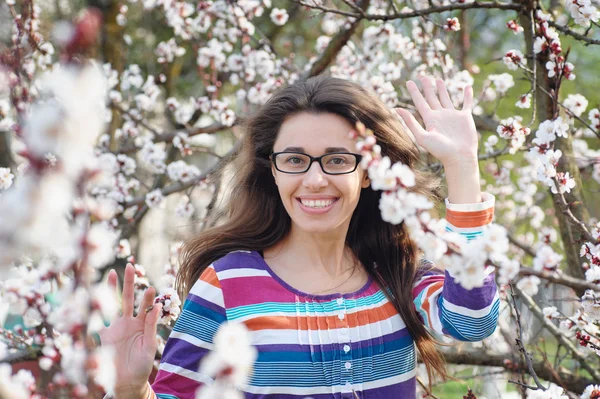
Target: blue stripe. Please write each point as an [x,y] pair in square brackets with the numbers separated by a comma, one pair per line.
[372,368]
[166,396]
[197,326]
[204,311]
[306,307]
[332,355]
[466,328]
[471,235]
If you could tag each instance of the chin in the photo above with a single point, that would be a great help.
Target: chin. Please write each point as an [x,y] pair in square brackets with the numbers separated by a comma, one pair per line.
[316,227]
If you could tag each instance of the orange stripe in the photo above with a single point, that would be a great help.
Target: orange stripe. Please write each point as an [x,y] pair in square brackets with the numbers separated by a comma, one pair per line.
[470,219]
[426,303]
[151,394]
[210,276]
[320,322]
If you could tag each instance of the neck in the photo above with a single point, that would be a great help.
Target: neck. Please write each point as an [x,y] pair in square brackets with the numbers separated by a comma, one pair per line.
[321,253]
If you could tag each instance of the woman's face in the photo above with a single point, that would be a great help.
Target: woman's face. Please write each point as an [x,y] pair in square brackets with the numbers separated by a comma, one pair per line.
[318,202]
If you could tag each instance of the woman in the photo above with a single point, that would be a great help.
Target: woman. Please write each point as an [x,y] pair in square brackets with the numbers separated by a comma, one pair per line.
[335,298]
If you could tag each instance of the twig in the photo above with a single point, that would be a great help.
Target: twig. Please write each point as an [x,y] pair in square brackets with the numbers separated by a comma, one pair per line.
[428,394]
[521,344]
[567,211]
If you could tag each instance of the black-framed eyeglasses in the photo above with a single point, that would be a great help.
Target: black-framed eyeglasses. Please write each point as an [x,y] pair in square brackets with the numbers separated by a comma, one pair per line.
[335,163]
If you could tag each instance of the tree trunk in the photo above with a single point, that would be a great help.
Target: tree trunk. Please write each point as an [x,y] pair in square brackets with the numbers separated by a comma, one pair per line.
[571,236]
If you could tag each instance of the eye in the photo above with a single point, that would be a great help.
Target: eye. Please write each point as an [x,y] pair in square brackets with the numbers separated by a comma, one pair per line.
[338,160]
[294,160]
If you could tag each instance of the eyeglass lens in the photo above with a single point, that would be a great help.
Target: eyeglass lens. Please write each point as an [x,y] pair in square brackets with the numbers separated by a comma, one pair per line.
[331,163]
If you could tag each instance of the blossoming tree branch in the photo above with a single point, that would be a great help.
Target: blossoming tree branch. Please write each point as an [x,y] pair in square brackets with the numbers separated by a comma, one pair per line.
[127,109]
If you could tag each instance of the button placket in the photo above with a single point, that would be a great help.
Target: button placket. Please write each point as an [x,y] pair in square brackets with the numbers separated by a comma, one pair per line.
[345,346]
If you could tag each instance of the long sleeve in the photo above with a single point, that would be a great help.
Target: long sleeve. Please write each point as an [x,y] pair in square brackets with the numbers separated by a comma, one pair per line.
[446,307]
[191,339]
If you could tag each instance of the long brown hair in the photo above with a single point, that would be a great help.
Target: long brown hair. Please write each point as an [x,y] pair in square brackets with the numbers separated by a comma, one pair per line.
[257,219]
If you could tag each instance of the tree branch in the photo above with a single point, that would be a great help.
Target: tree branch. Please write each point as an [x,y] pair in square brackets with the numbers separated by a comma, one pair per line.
[574,34]
[335,45]
[416,13]
[180,186]
[566,280]
[537,312]
[572,382]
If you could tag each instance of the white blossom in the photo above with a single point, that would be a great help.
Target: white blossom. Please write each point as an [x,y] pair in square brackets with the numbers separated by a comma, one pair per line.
[576,103]
[529,285]
[155,199]
[553,392]
[279,16]
[6,178]
[550,312]
[593,274]
[170,305]
[502,82]
[591,390]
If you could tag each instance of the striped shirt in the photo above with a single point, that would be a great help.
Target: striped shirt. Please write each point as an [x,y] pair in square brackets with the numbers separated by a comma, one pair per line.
[338,346]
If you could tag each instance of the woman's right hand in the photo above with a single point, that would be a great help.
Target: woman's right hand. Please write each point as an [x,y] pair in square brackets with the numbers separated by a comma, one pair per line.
[133,338]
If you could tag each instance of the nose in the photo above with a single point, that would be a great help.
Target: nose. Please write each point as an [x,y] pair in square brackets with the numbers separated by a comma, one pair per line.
[314,178]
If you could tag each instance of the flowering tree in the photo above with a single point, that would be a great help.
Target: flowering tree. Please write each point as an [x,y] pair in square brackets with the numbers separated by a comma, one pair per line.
[99,124]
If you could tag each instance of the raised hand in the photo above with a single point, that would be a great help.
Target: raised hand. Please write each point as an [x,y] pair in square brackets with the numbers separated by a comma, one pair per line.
[133,338]
[449,134]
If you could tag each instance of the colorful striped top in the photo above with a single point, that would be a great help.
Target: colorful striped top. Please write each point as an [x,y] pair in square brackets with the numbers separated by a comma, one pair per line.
[339,346]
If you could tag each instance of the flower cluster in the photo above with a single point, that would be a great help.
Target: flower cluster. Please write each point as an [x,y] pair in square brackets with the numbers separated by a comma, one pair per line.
[583,11]
[512,129]
[547,42]
[170,305]
[513,59]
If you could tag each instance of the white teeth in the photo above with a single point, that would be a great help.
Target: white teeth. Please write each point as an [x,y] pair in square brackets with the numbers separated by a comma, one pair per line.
[317,204]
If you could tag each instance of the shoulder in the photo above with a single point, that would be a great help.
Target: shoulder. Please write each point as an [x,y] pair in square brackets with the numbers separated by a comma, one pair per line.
[235,261]
[228,266]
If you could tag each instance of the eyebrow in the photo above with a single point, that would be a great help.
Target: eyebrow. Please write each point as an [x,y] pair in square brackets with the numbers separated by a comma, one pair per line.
[327,150]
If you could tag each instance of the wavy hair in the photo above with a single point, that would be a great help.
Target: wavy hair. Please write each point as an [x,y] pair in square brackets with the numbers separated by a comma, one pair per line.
[257,219]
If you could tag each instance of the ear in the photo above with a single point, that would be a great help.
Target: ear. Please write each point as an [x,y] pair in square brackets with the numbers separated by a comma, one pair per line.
[274,173]
[366,181]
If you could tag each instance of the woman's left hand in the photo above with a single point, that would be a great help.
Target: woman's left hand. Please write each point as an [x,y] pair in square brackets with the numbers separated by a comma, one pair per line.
[450,134]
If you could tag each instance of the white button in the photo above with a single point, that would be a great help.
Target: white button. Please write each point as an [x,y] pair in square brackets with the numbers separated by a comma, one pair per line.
[341,316]
[347,387]
[340,301]
[348,365]
[344,330]
[346,348]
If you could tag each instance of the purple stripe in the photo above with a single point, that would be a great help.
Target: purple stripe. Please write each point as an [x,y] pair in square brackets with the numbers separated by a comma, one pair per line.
[206,304]
[237,260]
[403,390]
[183,354]
[335,347]
[475,299]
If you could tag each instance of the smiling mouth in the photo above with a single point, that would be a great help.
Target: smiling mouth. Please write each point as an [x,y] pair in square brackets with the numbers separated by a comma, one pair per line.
[317,204]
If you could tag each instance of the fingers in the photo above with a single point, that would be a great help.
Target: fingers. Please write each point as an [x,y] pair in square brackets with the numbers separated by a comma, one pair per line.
[414,126]
[112,278]
[147,301]
[150,326]
[468,101]
[429,92]
[128,281]
[443,93]
[417,97]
